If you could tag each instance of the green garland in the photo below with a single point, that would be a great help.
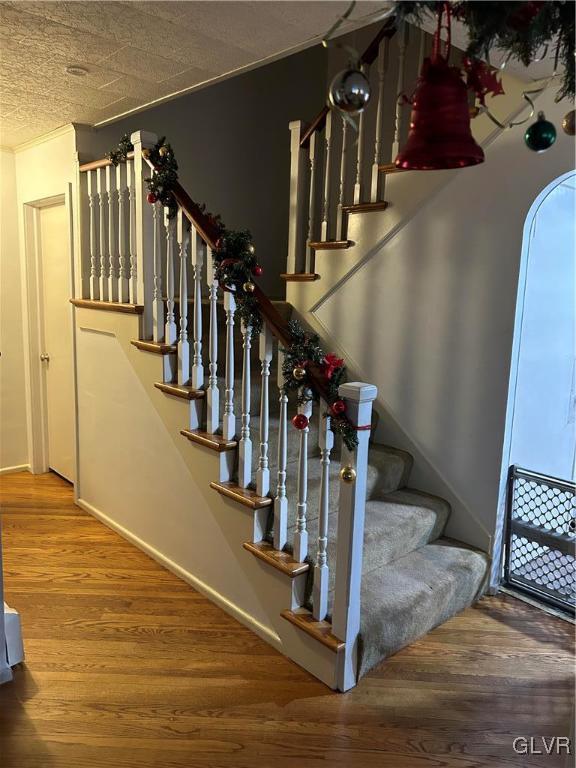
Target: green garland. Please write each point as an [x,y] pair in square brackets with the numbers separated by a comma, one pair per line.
[304,352]
[120,153]
[165,176]
[522,29]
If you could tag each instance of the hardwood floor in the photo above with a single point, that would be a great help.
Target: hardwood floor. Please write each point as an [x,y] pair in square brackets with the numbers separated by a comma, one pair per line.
[128,667]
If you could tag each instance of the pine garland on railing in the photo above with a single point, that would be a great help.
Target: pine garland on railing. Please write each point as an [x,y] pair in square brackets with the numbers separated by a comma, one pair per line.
[235,267]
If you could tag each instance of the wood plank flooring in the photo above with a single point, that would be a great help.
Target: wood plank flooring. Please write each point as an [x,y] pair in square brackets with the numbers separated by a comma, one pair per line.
[128,667]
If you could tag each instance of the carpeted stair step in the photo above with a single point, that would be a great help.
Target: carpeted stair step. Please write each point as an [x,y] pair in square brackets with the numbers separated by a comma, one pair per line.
[405,599]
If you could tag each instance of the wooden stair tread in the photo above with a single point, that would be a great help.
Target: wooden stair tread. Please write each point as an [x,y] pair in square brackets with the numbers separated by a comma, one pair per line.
[300,277]
[381,205]
[108,306]
[330,245]
[282,561]
[215,442]
[178,390]
[390,168]
[158,347]
[319,630]
[246,496]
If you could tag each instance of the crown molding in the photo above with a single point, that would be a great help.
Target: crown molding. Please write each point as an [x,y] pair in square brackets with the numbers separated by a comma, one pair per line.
[63,130]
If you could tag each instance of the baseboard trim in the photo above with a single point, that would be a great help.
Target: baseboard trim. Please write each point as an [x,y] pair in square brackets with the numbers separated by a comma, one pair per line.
[16,468]
[227,605]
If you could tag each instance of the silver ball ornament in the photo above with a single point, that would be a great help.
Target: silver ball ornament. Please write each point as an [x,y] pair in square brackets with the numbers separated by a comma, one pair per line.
[349,91]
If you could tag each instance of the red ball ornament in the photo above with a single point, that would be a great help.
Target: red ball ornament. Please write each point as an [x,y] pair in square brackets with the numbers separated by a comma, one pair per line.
[338,407]
[300,421]
[258,270]
[151,197]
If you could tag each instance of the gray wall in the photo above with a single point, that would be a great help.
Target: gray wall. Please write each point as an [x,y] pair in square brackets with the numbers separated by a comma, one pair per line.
[232,145]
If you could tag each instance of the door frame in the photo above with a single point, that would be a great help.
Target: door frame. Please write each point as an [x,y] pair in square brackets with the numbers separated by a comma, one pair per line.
[36,396]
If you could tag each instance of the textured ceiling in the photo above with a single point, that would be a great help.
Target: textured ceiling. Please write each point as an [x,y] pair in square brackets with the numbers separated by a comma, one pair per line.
[135,52]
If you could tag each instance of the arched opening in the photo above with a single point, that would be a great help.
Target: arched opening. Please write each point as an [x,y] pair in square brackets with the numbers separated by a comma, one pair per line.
[539,455]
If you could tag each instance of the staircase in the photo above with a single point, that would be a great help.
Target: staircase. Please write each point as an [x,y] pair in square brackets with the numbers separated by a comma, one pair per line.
[363,557]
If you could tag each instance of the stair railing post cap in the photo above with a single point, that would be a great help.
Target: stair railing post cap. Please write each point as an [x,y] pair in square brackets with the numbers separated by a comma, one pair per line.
[358,391]
[145,138]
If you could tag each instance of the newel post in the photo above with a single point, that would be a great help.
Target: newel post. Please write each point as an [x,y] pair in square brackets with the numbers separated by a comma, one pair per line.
[346,614]
[144,230]
[298,200]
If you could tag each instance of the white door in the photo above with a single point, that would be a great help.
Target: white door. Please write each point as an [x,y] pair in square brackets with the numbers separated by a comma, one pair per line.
[56,283]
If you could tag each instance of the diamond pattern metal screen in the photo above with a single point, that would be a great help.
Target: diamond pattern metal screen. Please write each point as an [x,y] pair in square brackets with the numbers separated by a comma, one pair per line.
[541,537]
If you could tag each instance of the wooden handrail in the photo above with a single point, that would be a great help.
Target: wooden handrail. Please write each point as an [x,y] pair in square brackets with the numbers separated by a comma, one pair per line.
[387,31]
[93,165]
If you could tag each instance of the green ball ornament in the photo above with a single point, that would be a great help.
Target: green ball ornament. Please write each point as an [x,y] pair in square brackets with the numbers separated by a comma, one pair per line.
[540,135]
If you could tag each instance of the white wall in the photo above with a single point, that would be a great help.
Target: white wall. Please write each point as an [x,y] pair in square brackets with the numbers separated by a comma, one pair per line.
[437,337]
[13,440]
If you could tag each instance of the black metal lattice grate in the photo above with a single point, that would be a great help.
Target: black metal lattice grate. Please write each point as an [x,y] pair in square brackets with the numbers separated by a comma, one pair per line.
[541,537]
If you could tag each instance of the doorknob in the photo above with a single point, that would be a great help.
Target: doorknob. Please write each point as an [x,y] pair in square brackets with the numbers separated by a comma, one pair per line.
[44,357]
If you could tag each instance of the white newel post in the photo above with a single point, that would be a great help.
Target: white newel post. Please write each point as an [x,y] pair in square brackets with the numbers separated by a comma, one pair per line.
[170,331]
[263,472]
[213,393]
[144,229]
[183,238]
[321,572]
[281,500]
[93,212]
[197,258]
[298,200]
[229,420]
[301,533]
[157,299]
[350,537]
[123,231]
[245,446]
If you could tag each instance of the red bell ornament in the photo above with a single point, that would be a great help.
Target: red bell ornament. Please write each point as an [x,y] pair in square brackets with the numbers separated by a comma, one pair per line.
[440,135]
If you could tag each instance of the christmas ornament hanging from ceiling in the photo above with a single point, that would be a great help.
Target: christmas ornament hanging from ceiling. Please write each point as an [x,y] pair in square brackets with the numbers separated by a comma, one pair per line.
[440,135]
[350,90]
[540,135]
[568,123]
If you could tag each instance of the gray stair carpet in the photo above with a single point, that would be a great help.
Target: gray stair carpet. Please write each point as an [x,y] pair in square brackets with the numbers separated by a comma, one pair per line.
[412,578]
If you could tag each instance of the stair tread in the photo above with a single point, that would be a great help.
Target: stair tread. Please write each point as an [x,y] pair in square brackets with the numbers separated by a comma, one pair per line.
[158,347]
[282,561]
[109,306]
[381,205]
[300,277]
[209,440]
[330,245]
[390,168]
[320,630]
[180,390]
[405,599]
[246,496]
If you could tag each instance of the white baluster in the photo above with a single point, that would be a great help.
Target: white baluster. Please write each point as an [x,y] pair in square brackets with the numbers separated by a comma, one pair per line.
[158,327]
[103,234]
[326,223]
[93,214]
[123,220]
[350,535]
[229,420]
[321,569]
[170,330]
[399,112]
[377,186]
[263,472]
[298,200]
[340,220]
[112,240]
[213,394]
[313,160]
[281,500]
[133,262]
[301,534]
[197,263]
[245,446]
[183,238]
[361,150]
